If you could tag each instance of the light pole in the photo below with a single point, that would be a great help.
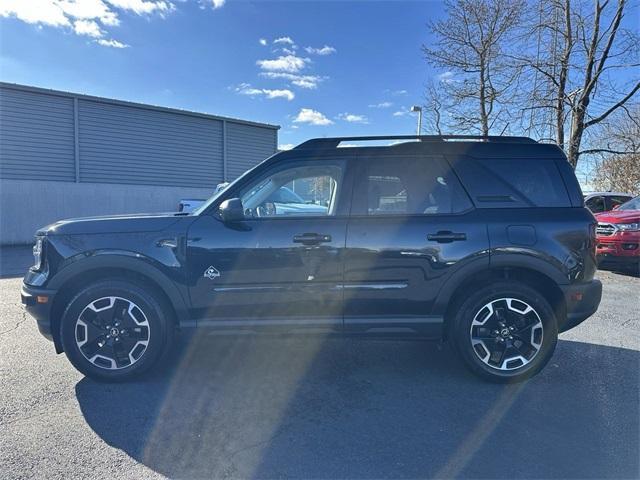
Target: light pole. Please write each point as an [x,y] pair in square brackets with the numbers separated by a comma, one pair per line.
[418,108]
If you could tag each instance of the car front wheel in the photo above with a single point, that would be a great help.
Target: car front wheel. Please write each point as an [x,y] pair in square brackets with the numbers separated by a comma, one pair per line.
[114,330]
[505,332]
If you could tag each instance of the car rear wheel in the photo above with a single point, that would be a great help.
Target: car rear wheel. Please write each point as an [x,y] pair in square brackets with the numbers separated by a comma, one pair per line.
[114,330]
[505,332]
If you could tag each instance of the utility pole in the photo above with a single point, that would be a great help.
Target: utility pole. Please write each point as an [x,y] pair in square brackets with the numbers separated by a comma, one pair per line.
[418,108]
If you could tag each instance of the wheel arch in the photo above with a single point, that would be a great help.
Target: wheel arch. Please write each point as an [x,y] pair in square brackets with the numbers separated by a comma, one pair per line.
[547,286]
[117,266]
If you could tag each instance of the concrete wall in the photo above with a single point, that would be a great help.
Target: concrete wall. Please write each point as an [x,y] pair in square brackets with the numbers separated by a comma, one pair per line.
[26,205]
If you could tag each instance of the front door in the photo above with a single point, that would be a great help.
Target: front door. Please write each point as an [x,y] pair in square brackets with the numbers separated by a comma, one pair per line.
[411,226]
[282,265]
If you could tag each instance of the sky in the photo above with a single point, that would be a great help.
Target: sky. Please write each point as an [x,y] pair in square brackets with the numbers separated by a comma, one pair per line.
[329,68]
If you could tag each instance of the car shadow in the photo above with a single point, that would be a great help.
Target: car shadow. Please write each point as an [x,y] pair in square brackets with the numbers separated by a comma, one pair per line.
[346,408]
[627,272]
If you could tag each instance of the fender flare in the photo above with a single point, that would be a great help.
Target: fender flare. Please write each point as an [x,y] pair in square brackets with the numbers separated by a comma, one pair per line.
[125,260]
[527,261]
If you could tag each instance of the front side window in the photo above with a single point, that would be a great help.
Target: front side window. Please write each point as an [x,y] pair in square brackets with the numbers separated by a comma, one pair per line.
[617,200]
[411,186]
[301,191]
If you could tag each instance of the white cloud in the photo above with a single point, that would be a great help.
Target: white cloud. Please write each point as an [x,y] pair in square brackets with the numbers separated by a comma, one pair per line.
[88,28]
[286,63]
[326,50]
[303,81]
[447,77]
[218,3]
[286,146]
[263,41]
[45,12]
[144,6]
[352,118]
[312,117]
[85,17]
[399,92]
[111,43]
[247,89]
[401,113]
[284,40]
[90,10]
[381,105]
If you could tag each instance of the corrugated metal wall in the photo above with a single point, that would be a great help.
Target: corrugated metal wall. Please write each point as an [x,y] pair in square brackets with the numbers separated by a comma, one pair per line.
[36,136]
[246,146]
[64,155]
[58,136]
[127,145]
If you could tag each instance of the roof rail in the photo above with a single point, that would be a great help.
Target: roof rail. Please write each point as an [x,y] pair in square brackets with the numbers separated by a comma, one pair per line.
[333,142]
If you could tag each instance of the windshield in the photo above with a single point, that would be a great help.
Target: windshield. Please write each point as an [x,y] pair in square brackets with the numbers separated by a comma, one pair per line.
[631,204]
[285,195]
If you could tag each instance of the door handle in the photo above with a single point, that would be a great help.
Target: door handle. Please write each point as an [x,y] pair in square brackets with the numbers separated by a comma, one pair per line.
[311,238]
[446,236]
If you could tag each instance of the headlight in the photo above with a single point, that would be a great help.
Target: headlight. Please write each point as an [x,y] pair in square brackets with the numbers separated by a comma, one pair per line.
[37,253]
[628,227]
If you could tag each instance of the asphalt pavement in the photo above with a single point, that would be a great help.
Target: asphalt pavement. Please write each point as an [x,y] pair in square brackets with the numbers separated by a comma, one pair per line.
[240,407]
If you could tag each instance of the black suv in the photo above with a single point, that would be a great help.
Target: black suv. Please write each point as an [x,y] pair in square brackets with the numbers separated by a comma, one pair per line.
[484,241]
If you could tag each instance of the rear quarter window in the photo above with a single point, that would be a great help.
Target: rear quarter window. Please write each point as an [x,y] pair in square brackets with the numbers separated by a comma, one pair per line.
[512,182]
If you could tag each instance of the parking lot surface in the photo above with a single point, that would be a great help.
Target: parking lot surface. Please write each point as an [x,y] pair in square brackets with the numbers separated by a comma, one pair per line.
[229,407]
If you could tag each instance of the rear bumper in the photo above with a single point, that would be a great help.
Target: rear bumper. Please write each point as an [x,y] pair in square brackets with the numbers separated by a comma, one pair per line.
[582,300]
[38,302]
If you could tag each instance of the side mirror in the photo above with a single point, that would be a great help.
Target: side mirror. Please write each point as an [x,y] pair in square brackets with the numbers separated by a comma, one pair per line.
[231,210]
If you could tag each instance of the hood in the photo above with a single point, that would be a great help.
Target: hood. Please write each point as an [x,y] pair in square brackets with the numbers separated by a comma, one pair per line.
[619,216]
[143,222]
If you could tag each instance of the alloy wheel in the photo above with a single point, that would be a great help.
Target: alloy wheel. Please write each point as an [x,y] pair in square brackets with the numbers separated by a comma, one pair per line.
[506,334]
[112,333]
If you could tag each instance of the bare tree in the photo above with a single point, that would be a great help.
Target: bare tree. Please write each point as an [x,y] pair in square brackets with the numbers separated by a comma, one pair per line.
[470,46]
[618,164]
[576,65]
[433,110]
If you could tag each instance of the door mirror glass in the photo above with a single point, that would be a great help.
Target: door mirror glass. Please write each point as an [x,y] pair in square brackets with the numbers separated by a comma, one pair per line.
[231,210]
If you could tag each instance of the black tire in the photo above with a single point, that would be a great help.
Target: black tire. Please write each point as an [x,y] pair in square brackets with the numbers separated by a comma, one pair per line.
[146,321]
[537,343]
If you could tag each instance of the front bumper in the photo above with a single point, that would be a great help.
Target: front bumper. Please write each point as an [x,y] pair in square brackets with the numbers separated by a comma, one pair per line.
[38,303]
[621,247]
[582,300]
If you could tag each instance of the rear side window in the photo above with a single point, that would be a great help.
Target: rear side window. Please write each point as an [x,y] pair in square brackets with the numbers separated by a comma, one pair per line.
[515,183]
[596,204]
[408,186]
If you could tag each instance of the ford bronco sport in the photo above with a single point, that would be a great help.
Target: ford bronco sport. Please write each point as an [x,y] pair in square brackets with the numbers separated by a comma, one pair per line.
[484,241]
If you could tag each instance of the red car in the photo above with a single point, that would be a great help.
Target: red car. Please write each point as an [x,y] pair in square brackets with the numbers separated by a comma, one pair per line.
[618,236]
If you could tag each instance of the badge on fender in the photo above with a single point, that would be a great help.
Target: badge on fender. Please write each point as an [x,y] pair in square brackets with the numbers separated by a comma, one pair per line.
[211,273]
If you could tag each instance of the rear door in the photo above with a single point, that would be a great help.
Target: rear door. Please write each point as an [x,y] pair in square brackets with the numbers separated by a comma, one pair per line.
[411,226]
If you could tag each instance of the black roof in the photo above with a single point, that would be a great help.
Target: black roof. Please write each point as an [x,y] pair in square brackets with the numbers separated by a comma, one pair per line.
[472,145]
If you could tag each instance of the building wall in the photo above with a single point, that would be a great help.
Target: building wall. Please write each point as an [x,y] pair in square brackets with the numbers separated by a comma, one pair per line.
[30,204]
[64,155]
